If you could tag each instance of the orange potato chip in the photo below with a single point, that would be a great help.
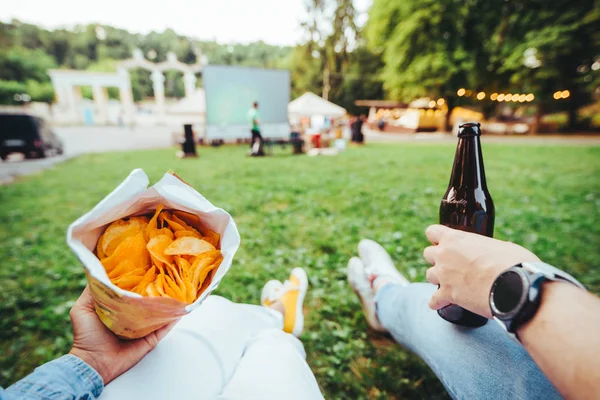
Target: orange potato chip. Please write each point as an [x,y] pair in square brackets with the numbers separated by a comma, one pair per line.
[190,219]
[207,272]
[110,248]
[188,245]
[152,225]
[162,231]
[128,282]
[148,278]
[116,229]
[133,248]
[202,262]
[151,290]
[170,254]
[181,222]
[99,251]
[193,233]
[156,246]
[211,237]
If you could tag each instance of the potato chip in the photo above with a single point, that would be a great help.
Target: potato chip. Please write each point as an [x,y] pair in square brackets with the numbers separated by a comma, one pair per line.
[152,225]
[156,246]
[190,219]
[161,231]
[110,248]
[188,245]
[195,222]
[117,228]
[170,254]
[202,263]
[172,224]
[148,278]
[193,233]
[128,282]
[133,248]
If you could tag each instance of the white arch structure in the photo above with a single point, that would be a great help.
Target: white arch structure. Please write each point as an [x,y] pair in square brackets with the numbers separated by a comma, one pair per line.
[67,85]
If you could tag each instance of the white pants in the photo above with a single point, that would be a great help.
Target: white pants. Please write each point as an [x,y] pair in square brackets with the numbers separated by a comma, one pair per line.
[221,350]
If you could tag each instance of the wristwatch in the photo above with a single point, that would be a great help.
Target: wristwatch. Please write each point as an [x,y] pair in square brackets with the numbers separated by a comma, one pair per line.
[516,293]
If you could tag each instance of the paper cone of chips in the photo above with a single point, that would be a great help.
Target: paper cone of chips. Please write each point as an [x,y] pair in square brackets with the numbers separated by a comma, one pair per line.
[152,254]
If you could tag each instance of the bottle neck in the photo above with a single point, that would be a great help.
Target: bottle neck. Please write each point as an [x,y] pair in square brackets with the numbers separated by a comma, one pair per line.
[468,168]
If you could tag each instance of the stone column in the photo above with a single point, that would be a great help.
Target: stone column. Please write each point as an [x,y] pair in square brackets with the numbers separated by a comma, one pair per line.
[189,81]
[126,97]
[158,84]
[101,102]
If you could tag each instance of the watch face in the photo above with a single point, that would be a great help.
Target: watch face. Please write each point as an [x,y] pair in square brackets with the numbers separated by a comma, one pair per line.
[508,291]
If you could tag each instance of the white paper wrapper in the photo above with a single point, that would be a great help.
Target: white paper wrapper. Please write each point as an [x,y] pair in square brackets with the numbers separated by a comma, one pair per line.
[127,314]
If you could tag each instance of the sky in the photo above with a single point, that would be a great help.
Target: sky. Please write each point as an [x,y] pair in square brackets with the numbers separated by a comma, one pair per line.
[228,21]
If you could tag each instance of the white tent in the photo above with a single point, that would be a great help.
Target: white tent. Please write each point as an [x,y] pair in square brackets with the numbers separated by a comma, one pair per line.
[309,104]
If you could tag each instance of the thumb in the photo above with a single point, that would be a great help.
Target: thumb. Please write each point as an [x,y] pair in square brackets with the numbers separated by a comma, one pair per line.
[439,300]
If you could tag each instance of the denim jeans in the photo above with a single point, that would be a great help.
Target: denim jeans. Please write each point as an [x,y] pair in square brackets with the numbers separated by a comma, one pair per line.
[482,363]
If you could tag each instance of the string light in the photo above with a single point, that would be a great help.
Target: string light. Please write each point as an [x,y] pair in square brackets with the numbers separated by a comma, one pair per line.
[565,93]
[515,97]
[529,97]
[557,95]
[431,104]
[480,96]
[461,92]
[500,97]
[468,93]
[441,102]
[522,98]
[494,96]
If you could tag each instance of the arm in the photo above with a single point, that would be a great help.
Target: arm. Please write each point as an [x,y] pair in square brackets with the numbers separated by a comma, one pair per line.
[564,335]
[563,338]
[65,377]
[97,357]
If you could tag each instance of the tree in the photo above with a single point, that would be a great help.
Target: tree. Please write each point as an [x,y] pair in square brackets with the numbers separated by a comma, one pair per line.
[432,47]
[553,48]
[20,64]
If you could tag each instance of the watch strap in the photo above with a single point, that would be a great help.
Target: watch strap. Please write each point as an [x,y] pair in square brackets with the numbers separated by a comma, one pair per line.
[551,273]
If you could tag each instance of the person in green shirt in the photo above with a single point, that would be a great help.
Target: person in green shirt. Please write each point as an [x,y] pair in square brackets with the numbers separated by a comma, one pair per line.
[254,120]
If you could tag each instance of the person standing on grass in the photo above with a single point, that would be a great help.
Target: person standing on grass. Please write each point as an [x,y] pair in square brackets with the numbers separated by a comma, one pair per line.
[356,125]
[256,145]
[554,321]
[221,350]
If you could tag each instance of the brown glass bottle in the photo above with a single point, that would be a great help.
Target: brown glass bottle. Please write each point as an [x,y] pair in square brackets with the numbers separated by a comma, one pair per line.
[467,205]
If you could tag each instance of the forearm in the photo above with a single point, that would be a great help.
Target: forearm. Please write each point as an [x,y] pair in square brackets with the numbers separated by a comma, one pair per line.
[564,339]
[67,377]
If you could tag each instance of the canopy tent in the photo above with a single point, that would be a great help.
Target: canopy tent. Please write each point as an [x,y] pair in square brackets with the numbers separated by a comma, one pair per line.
[309,104]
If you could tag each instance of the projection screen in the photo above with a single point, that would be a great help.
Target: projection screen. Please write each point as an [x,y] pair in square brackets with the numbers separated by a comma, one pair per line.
[230,92]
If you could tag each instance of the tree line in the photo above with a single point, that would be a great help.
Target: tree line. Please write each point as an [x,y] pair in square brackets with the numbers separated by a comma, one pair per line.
[406,49]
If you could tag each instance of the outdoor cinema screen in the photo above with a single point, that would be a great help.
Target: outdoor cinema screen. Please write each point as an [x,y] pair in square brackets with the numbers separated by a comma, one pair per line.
[230,92]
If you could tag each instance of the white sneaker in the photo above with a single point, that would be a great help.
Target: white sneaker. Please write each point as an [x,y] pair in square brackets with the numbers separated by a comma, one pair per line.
[270,292]
[359,281]
[291,293]
[378,263]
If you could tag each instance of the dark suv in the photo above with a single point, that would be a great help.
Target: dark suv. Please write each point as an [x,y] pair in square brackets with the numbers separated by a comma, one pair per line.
[27,134]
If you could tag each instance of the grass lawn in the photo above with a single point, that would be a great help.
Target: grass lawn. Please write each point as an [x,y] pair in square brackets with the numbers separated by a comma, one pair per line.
[298,211]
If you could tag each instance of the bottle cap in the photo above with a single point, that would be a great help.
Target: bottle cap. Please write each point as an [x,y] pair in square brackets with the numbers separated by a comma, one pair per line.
[469,129]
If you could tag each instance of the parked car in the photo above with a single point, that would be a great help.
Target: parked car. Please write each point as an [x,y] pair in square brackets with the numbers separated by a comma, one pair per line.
[27,134]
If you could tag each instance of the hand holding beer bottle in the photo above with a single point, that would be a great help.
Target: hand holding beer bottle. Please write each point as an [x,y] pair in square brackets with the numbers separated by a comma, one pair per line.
[467,205]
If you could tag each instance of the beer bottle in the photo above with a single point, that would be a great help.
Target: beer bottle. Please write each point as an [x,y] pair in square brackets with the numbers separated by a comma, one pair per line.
[467,205]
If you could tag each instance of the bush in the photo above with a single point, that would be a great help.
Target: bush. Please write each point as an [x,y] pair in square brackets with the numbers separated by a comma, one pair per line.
[8,90]
[40,91]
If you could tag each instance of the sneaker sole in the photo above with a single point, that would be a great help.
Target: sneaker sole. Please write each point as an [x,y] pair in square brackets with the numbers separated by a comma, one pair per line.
[299,323]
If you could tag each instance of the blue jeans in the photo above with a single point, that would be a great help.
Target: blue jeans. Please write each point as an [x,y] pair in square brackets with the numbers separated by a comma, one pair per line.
[483,363]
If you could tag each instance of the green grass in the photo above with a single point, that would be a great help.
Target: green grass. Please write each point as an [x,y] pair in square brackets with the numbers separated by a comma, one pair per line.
[298,211]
